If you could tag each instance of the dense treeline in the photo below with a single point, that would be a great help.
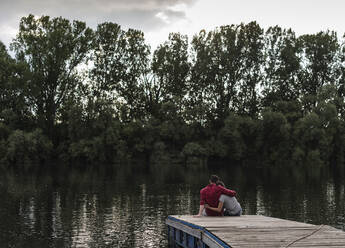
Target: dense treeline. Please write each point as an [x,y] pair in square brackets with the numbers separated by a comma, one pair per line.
[238,93]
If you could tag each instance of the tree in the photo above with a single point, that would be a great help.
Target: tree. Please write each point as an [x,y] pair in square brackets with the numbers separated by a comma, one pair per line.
[252,56]
[171,67]
[320,67]
[120,62]
[226,71]
[318,135]
[26,148]
[281,68]
[231,136]
[14,111]
[341,83]
[275,134]
[53,49]
[215,73]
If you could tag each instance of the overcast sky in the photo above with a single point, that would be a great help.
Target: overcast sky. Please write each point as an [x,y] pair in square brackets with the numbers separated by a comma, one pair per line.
[157,18]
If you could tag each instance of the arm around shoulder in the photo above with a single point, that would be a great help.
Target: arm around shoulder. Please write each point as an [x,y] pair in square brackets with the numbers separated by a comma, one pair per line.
[228,192]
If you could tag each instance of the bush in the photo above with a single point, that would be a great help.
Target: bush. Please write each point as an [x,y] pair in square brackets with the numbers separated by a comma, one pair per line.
[313,159]
[4,131]
[28,148]
[3,151]
[193,149]
[85,150]
[275,134]
[107,147]
[298,156]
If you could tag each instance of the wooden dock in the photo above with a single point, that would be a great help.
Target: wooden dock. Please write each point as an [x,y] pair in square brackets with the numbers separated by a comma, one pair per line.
[249,231]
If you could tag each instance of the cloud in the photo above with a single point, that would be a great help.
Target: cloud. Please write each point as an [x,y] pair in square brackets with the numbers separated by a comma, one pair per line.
[146,15]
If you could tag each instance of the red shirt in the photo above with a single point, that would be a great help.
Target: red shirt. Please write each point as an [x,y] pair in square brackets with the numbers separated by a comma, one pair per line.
[210,195]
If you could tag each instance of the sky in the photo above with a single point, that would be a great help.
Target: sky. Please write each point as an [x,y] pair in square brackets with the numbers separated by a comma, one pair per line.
[157,18]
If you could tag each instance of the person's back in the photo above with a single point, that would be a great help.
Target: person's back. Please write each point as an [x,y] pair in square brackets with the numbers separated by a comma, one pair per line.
[231,205]
[211,194]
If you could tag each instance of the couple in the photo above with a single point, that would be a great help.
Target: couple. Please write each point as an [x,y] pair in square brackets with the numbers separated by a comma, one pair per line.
[216,200]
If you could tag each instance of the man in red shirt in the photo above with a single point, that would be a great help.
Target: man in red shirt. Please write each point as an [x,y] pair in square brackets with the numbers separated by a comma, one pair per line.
[210,195]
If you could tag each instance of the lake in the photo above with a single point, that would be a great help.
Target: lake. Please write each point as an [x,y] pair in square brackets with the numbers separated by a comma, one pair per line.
[127,206]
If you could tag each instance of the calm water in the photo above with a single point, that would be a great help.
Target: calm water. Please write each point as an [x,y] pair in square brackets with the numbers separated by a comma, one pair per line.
[127,207]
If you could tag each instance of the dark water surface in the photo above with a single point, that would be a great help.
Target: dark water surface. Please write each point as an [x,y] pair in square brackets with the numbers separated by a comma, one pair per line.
[127,207]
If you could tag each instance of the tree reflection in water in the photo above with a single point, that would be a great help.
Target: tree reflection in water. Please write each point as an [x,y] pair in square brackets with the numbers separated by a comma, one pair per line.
[127,207]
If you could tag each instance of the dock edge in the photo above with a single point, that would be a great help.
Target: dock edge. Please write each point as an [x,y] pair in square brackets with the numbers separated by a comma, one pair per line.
[188,235]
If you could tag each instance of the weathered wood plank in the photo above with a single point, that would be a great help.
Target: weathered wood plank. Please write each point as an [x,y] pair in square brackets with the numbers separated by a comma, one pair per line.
[262,231]
[187,229]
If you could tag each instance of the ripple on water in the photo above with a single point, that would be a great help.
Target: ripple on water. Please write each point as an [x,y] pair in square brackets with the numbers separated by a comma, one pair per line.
[93,211]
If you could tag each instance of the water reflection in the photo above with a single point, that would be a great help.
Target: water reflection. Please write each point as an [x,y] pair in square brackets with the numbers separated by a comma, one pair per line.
[128,207]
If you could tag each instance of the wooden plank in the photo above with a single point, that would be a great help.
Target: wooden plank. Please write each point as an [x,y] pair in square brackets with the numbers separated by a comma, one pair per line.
[243,221]
[211,242]
[262,231]
[191,231]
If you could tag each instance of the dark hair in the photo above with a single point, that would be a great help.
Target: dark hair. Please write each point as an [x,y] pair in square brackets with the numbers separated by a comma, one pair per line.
[214,179]
[220,183]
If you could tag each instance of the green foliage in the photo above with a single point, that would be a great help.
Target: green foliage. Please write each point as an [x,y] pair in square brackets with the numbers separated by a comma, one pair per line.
[4,131]
[14,108]
[320,67]
[106,147]
[314,159]
[120,61]
[25,149]
[236,93]
[3,150]
[231,136]
[193,149]
[298,156]
[275,135]
[226,70]
[282,66]
[52,49]
[171,67]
